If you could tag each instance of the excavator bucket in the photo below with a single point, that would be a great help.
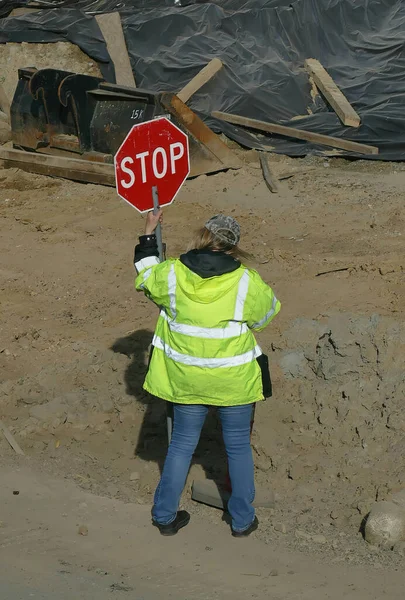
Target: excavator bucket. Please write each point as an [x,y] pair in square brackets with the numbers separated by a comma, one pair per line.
[78,116]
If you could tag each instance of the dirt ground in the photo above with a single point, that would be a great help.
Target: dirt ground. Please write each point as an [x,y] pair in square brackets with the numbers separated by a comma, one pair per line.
[43,557]
[74,340]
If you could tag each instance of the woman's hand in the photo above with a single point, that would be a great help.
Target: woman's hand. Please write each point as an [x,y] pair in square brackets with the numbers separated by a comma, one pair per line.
[152,221]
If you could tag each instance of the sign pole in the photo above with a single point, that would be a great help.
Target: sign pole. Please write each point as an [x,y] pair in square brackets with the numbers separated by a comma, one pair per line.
[156,208]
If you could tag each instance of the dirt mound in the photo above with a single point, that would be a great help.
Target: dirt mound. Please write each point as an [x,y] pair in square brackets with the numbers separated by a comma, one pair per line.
[342,395]
[59,55]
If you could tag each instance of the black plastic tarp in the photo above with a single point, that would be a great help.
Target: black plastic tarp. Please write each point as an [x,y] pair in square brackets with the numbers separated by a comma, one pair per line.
[263,46]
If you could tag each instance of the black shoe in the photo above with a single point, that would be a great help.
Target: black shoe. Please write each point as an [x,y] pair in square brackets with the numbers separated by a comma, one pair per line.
[248,531]
[182,519]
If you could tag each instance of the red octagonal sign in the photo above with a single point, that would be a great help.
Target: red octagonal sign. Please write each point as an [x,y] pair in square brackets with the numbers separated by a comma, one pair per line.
[154,153]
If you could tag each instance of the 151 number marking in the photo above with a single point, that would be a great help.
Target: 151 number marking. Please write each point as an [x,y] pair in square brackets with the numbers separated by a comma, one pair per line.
[137,113]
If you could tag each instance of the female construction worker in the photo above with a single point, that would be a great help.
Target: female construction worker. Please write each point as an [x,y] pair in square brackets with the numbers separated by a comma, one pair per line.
[204,354]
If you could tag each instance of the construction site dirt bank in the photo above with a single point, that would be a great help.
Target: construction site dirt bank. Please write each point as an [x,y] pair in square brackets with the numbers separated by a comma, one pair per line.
[75,337]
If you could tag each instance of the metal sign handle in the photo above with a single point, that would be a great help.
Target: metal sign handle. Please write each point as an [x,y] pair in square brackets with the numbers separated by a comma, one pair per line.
[156,207]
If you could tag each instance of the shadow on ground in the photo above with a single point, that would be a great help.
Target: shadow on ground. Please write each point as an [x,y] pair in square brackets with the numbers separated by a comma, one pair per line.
[152,442]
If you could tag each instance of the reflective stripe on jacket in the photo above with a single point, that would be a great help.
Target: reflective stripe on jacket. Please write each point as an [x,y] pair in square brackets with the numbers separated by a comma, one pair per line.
[204,351]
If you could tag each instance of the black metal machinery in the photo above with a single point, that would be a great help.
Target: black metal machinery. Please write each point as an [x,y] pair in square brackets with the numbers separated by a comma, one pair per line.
[58,112]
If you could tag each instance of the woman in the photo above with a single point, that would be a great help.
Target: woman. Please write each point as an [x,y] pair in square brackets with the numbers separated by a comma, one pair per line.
[205,354]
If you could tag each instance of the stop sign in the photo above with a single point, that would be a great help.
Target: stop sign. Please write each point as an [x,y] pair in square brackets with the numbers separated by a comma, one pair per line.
[154,153]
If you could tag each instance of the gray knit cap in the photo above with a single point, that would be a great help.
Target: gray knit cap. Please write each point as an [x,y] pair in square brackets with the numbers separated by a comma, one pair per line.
[225,228]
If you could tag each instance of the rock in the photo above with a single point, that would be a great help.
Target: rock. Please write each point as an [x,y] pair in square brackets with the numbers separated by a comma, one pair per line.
[319,538]
[385,525]
[273,573]
[119,587]
[303,519]
[364,506]
[396,421]
[125,400]
[281,527]
[39,446]
[295,471]
[83,530]
[30,393]
[135,476]
[327,416]
[399,498]
[399,548]
[106,405]
[294,364]
[302,535]
[49,411]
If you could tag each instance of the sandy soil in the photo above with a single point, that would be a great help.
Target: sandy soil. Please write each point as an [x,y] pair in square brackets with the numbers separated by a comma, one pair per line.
[44,557]
[74,340]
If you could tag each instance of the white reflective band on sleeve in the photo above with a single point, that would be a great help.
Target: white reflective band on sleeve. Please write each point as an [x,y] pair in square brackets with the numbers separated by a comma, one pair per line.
[241,296]
[145,277]
[149,261]
[217,333]
[172,291]
[207,363]
[268,316]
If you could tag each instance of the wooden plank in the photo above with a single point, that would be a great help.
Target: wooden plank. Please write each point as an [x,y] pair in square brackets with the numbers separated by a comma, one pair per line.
[61,172]
[299,134]
[10,438]
[332,93]
[59,166]
[208,153]
[200,79]
[5,104]
[269,178]
[111,28]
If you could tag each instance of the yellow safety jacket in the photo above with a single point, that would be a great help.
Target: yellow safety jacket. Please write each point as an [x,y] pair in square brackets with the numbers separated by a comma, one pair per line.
[204,351]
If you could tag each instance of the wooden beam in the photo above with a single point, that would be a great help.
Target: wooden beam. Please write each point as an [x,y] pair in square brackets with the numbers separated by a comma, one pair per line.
[299,134]
[10,438]
[59,166]
[111,28]
[269,178]
[200,79]
[332,93]
[208,153]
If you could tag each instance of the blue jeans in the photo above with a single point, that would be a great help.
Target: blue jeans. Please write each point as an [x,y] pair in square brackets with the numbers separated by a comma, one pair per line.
[188,421]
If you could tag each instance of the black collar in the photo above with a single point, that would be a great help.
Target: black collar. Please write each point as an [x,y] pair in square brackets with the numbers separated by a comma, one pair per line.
[207,263]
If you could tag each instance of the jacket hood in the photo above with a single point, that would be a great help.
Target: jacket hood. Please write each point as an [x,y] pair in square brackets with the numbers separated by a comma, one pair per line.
[208,275]
[207,263]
